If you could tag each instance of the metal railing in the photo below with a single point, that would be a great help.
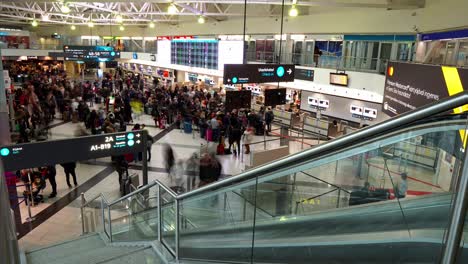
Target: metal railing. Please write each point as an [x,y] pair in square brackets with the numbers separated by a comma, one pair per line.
[458,212]
[332,61]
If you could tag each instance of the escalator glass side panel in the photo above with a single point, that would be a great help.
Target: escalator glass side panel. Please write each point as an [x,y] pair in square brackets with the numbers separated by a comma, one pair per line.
[220,209]
[403,171]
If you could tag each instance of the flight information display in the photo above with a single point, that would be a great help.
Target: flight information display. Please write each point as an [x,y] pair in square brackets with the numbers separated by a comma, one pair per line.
[90,53]
[195,53]
[53,152]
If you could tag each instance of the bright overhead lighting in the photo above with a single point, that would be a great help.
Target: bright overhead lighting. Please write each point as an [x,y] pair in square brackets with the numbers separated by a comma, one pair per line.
[65,9]
[121,28]
[152,25]
[45,17]
[73,27]
[293,11]
[34,23]
[90,24]
[172,9]
[201,20]
[119,18]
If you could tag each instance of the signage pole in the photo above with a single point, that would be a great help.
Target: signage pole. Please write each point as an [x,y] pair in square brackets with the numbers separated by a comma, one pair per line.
[145,157]
[9,245]
[5,137]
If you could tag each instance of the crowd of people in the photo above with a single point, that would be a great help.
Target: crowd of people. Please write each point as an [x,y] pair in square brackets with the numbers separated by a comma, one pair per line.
[109,105]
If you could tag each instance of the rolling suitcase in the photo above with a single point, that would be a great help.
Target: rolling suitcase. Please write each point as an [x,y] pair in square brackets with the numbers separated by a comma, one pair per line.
[75,117]
[209,134]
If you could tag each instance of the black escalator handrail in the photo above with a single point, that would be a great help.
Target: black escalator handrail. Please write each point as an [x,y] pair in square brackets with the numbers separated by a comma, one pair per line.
[357,137]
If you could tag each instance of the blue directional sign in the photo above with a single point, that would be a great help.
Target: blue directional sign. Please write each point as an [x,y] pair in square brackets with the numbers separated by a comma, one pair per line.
[258,73]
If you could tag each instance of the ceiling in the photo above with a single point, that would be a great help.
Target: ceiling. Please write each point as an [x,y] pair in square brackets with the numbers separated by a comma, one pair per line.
[21,13]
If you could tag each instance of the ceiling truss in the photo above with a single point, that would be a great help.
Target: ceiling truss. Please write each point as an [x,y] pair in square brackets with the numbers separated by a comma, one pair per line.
[138,12]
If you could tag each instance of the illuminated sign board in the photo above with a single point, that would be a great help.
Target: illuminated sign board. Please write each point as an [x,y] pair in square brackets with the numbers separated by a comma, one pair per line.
[339,79]
[409,85]
[258,73]
[304,74]
[33,155]
[90,53]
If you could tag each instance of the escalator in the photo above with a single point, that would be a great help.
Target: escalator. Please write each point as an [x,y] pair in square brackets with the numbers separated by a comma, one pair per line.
[408,229]
[409,172]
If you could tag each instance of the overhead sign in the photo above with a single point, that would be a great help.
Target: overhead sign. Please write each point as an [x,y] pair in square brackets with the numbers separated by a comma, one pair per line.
[90,53]
[409,86]
[30,155]
[304,74]
[258,73]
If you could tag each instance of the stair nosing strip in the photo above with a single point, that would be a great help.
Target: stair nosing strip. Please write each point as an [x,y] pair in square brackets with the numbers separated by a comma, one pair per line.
[123,254]
[61,243]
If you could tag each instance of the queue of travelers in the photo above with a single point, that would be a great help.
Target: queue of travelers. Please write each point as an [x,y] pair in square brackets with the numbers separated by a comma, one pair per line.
[108,106]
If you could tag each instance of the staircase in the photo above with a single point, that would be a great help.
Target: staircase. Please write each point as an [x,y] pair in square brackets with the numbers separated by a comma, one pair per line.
[92,249]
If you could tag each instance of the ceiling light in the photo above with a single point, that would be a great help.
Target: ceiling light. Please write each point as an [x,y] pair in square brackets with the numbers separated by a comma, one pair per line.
[45,17]
[65,8]
[201,20]
[90,24]
[293,11]
[34,23]
[73,27]
[152,25]
[172,9]
[122,28]
[119,18]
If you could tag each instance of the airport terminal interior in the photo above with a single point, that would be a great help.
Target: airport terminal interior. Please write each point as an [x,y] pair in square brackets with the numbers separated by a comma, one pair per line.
[233,131]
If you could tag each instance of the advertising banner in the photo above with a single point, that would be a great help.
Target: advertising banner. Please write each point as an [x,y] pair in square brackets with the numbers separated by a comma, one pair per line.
[409,86]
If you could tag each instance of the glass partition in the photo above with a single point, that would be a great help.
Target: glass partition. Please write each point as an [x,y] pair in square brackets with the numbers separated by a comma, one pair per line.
[135,218]
[385,198]
[222,220]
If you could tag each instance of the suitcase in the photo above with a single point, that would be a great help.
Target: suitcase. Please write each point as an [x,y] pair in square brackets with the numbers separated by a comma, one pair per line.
[75,117]
[149,110]
[66,116]
[220,149]
[162,123]
[209,134]
[187,127]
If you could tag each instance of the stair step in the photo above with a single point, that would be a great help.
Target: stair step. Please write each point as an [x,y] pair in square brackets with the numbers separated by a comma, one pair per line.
[62,250]
[146,256]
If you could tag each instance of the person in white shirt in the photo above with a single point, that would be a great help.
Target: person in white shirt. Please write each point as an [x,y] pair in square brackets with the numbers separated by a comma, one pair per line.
[402,187]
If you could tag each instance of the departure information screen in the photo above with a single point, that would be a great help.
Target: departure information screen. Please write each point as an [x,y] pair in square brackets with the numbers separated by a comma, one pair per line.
[31,155]
[90,53]
[195,53]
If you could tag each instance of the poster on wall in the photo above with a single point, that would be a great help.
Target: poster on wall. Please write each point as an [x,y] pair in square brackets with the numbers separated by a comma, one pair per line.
[409,86]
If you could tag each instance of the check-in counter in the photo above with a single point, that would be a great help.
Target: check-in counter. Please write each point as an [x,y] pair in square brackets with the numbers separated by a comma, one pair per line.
[317,126]
[282,117]
[416,153]
[256,107]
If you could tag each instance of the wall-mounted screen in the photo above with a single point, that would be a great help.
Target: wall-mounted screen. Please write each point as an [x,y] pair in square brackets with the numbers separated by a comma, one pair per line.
[90,53]
[304,74]
[275,97]
[195,53]
[238,99]
[339,79]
